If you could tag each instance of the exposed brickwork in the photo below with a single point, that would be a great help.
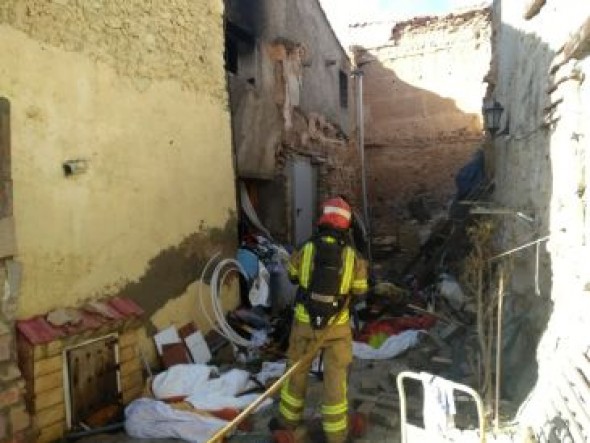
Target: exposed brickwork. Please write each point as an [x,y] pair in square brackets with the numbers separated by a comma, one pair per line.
[313,135]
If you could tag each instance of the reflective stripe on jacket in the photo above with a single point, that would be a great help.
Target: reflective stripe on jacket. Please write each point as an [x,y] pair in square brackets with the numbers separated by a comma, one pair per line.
[353,281]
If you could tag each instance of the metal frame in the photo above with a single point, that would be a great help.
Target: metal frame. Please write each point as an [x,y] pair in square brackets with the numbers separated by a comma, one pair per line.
[66,371]
[456,386]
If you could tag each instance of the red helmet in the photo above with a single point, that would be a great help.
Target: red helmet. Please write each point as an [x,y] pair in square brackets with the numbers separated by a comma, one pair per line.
[336,213]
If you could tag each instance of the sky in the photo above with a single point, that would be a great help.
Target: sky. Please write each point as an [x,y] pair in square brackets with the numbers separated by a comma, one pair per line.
[341,13]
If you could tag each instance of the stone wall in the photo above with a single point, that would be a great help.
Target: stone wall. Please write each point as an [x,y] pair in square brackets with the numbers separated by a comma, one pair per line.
[540,61]
[422,101]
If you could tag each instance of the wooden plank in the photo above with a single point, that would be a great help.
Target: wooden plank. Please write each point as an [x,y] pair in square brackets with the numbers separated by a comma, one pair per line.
[532,8]
[578,46]
[7,237]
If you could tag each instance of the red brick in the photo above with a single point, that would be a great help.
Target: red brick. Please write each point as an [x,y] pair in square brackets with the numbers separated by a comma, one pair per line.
[9,397]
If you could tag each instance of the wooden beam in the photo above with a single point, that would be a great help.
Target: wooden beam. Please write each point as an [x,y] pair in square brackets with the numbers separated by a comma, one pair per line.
[532,8]
[578,46]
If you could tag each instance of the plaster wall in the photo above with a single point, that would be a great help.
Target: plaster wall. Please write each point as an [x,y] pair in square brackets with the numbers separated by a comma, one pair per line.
[136,90]
[541,170]
[305,22]
[297,63]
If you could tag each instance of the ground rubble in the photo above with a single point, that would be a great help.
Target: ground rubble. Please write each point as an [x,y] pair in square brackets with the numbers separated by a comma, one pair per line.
[420,299]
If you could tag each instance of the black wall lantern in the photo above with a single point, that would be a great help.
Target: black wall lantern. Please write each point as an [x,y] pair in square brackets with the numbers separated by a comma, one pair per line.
[492,113]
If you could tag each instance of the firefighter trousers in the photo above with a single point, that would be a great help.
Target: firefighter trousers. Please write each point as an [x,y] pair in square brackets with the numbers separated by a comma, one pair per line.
[337,350]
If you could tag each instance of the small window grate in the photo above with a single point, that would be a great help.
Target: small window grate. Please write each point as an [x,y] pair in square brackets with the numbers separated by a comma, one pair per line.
[343,88]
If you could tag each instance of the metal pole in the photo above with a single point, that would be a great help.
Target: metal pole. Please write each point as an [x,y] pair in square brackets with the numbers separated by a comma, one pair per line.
[499,350]
[358,75]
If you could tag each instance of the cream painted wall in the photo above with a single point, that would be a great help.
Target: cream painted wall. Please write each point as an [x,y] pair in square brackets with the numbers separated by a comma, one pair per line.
[157,142]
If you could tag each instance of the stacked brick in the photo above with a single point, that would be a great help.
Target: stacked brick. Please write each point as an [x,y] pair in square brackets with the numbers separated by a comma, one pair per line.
[42,351]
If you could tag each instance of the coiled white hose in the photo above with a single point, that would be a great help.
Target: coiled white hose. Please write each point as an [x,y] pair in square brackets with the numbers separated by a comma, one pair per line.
[219,324]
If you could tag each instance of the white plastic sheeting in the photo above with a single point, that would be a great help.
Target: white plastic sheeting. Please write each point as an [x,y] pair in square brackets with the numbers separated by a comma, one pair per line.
[394,345]
[147,418]
[250,211]
[181,380]
[259,294]
[195,384]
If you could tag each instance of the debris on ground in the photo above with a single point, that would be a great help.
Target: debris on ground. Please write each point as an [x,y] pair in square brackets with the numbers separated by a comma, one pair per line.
[420,317]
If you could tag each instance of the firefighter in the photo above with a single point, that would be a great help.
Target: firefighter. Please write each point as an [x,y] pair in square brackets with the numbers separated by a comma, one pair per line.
[328,270]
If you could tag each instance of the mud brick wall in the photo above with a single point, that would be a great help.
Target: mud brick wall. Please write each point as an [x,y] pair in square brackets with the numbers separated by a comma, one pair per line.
[423,91]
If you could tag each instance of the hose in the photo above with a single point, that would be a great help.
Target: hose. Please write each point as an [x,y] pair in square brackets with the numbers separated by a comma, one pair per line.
[218,278]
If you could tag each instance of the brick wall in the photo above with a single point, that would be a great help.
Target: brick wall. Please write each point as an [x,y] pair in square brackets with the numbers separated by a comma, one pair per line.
[43,370]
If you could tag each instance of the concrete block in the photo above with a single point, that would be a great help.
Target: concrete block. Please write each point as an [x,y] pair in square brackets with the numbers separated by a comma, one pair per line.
[9,397]
[19,419]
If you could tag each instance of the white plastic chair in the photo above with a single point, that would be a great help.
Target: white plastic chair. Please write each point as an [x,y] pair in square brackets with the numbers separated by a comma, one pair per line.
[414,434]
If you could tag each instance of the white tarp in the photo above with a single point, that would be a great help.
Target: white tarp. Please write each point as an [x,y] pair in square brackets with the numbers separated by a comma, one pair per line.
[259,294]
[394,345]
[147,418]
[180,380]
[195,384]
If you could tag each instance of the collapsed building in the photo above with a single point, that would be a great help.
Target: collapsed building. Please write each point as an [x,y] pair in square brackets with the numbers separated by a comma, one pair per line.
[121,147]
[291,101]
[422,99]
